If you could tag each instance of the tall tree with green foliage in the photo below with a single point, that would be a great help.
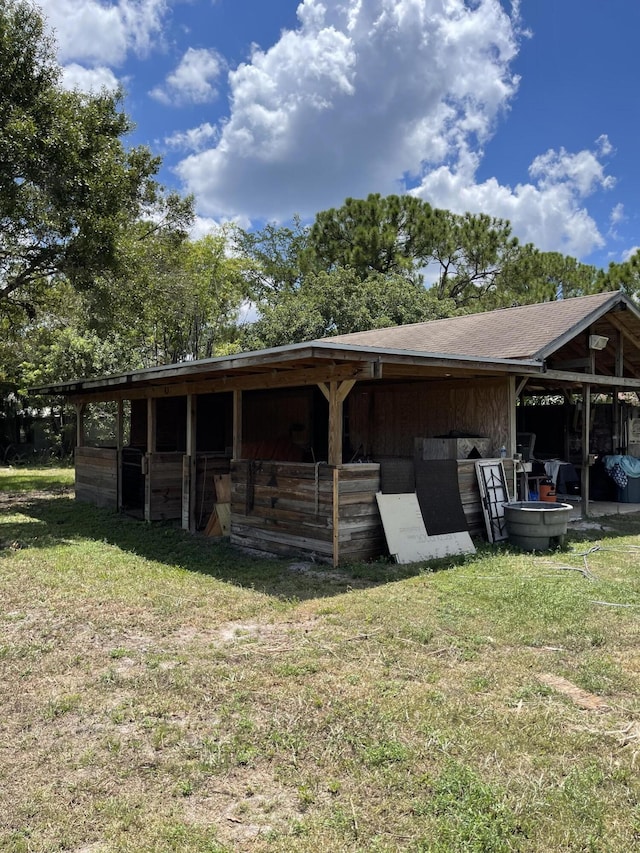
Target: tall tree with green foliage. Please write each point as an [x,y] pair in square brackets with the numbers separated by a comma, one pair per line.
[275,258]
[535,276]
[69,189]
[389,235]
[338,301]
[193,296]
[462,259]
[624,276]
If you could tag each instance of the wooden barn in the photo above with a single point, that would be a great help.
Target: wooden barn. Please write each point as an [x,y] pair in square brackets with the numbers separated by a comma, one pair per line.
[294,440]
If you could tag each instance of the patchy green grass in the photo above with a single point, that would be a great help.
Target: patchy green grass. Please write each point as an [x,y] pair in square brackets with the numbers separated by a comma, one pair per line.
[161,692]
[27,479]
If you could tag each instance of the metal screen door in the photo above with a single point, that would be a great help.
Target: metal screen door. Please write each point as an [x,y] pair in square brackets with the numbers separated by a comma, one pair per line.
[494,495]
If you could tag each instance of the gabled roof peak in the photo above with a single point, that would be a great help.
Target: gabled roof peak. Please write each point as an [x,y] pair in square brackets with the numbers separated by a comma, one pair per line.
[523,331]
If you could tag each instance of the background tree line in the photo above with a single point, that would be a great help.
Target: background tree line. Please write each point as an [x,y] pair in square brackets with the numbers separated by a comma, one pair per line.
[98,273]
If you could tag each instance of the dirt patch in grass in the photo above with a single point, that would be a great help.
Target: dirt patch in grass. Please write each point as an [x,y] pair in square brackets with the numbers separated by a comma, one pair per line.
[582,698]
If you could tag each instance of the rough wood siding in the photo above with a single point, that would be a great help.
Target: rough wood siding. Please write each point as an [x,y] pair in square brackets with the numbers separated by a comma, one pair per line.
[361,536]
[165,473]
[97,476]
[286,509]
[384,420]
[282,508]
[273,415]
[207,466]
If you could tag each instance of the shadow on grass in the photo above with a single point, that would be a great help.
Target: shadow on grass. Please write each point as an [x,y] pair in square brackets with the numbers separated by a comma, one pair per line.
[60,520]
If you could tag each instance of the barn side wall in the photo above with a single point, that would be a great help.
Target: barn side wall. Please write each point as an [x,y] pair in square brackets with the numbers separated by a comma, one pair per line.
[96,471]
[288,509]
[164,486]
[385,418]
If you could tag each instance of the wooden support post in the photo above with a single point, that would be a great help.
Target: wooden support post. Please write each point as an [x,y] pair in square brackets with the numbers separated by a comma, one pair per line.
[151,448]
[619,444]
[336,516]
[335,426]
[80,437]
[586,438]
[189,472]
[512,440]
[119,446]
[336,393]
[237,424]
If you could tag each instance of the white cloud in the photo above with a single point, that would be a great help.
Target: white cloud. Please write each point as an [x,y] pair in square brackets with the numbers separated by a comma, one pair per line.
[194,139]
[98,33]
[617,214]
[362,93]
[193,80]
[629,253]
[583,170]
[204,225]
[92,80]
[548,212]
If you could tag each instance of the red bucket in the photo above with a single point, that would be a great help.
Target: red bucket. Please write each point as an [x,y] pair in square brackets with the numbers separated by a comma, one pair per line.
[547,491]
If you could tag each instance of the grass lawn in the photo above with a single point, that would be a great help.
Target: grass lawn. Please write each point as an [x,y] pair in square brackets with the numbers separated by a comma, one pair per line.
[163,692]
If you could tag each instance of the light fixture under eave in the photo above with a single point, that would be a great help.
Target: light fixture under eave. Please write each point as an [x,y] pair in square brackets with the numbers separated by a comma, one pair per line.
[597,341]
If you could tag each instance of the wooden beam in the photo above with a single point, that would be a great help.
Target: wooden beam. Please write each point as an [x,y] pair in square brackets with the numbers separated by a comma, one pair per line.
[152,428]
[521,386]
[338,393]
[591,379]
[620,354]
[220,385]
[336,517]
[189,467]
[512,440]
[617,324]
[119,446]
[335,426]
[151,448]
[80,436]
[344,388]
[586,438]
[237,424]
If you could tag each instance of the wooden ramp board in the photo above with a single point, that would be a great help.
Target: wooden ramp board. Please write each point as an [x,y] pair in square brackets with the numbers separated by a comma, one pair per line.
[213,527]
[224,516]
[223,488]
[406,534]
[219,523]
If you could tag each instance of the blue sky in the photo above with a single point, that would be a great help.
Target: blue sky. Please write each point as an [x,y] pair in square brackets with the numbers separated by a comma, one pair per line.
[264,109]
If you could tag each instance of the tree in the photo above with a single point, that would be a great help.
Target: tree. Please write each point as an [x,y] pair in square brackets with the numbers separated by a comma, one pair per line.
[69,189]
[337,302]
[390,235]
[471,253]
[461,258]
[624,276]
[275,258]
[193,301]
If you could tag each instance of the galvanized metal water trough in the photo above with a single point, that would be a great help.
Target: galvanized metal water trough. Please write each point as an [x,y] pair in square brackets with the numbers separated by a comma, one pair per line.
[532,525]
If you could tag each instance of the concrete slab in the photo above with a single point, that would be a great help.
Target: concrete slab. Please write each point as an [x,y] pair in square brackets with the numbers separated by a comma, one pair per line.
[598,508]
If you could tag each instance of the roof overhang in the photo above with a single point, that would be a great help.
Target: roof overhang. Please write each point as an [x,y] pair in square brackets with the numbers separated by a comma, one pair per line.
[288,366]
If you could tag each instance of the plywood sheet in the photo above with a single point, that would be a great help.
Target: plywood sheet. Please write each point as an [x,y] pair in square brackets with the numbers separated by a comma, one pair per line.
[406,534]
